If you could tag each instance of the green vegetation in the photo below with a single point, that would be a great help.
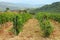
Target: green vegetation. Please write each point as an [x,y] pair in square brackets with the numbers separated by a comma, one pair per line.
[16,18]
[54,7]
[19,19]
[54,16]
[44,24]
[43,15]
[6,16]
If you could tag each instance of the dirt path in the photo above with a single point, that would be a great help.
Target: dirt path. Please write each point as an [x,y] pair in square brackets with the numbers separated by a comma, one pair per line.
[31,31]
[56,32]
[4,31]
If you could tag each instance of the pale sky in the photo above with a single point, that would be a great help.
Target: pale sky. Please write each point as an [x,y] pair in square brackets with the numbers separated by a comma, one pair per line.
[31,1]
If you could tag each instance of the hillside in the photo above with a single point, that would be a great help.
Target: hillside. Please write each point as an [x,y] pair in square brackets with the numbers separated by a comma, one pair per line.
[17,6]
[54,7]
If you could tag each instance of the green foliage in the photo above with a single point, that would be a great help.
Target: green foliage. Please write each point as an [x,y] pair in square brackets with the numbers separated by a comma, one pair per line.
[17,19]
[54,16]
[44,24]
[15,24]
[46,27]
[5,17]
[7,9]
[54,7]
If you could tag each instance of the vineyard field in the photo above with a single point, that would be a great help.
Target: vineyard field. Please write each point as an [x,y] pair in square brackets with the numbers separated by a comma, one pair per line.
[26,26]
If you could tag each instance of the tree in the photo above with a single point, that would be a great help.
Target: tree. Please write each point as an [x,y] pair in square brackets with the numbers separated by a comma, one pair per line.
[7,9]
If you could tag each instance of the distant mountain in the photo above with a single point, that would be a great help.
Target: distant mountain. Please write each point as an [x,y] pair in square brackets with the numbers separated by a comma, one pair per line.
[4,5]
[54,7]
[17,6]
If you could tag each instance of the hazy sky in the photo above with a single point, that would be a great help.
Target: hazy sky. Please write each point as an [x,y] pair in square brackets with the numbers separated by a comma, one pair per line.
[31,1]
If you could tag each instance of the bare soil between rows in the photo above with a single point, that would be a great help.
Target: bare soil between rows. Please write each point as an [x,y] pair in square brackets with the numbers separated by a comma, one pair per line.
[31,31]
